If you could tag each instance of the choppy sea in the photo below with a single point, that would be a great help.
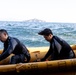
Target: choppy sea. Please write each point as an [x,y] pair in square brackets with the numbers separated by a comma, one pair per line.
[27,31]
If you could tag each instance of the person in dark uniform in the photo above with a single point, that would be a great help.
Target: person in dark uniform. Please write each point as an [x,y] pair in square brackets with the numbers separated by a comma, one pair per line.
[59,49]
[13,45]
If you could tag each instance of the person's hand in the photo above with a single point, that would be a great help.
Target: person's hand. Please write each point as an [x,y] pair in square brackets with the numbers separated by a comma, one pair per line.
[25,59]
[38,60]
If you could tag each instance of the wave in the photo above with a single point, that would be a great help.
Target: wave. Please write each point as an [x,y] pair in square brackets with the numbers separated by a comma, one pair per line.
[27,31]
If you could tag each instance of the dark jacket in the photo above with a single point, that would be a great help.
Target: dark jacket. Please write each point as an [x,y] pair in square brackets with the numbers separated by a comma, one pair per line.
[13,45]
[59,49]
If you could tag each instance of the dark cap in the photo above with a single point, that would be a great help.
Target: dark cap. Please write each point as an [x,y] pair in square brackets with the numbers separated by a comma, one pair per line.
[46,31]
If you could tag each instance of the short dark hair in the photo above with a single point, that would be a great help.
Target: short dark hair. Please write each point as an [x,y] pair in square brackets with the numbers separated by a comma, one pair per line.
[46,32]
[3,31]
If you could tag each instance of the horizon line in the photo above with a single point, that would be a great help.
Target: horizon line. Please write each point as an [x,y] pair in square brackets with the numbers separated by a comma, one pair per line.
[34,19]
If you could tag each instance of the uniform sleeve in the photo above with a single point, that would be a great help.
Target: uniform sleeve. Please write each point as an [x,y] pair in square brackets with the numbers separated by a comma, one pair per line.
[11,45]
[47,55]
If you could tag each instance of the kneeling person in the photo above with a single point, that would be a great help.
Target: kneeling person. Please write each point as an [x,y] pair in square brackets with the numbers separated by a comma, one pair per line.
[59,49]
[13,45]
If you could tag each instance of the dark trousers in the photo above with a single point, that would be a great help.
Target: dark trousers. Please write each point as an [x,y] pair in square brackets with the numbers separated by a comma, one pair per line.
[18,59]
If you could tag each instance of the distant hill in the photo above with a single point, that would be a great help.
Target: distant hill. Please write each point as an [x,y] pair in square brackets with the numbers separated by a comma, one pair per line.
[34,20]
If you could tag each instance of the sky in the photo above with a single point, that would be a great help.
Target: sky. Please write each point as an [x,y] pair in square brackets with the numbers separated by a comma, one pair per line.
[46,10]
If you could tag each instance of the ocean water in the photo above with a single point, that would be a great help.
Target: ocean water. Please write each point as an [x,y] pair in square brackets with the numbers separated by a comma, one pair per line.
[27,31]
